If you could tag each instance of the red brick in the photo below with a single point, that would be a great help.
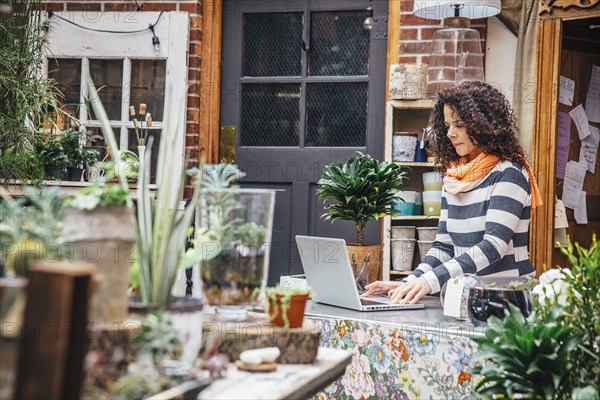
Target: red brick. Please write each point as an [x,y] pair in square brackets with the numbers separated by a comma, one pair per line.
[195,35]
[83,7]
[160,6]
[427,33]
[411,19]
[193,75]
[191,7]
[122,6]
[193,115]
[191,140]
[195,48]
[425,60]
[192,128]
[193,61]
[407,60]
[188,192]
[193,101]
[406,5]
[408,33]
[54,6]
[415,48]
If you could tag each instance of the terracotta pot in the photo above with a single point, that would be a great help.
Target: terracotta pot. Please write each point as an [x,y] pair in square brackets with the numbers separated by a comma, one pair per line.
[359,253]
[294,315]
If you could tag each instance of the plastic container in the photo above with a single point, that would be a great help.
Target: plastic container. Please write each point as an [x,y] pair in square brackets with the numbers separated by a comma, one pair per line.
[432,203]
[404,208]
[404,145]
[403,232]
[419,204]
[432,181]
[403,251]
[408,196]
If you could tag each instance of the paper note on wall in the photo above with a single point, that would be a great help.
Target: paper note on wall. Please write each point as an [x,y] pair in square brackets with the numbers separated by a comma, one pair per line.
[588,151]
[573,184]
[566,90]
[562,145]
[560,215]
[581,121]
[581,212]
[592,102]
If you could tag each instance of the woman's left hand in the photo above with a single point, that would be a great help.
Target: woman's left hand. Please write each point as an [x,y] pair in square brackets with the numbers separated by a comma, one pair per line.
[411,291]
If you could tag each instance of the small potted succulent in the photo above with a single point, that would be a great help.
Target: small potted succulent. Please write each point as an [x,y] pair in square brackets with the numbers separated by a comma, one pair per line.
[284,305]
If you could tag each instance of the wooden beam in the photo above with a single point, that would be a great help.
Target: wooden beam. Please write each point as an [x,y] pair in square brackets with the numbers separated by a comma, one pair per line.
[393,44]
[210,81]
[544,140]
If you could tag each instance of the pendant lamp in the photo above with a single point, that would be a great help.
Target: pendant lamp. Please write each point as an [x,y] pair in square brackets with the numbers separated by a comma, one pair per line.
[456,54]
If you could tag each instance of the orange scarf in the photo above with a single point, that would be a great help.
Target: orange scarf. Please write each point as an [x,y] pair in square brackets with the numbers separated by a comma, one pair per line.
[467,176]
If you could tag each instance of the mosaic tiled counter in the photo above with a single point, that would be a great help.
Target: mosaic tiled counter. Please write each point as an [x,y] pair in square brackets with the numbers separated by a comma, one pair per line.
[411,354]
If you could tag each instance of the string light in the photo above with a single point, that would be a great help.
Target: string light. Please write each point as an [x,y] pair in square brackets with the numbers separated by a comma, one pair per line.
[155,39]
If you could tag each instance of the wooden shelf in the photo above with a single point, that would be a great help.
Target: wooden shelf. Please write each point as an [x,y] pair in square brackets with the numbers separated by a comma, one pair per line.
[415,218]
[413,104]
[416,164]
[64,187]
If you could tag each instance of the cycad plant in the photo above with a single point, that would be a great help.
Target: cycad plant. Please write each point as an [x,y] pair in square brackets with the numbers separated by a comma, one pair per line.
[360,190]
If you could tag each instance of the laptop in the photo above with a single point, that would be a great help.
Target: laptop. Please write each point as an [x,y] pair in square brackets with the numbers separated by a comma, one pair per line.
[329,273]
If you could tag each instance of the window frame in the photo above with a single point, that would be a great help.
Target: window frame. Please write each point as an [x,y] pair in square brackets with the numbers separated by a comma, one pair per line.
[66,41]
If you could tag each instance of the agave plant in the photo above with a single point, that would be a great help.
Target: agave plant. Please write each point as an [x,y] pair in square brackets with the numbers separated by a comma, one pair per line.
[360,190]
[161,231]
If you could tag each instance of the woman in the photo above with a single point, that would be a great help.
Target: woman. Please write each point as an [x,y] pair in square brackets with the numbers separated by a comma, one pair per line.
[488,194]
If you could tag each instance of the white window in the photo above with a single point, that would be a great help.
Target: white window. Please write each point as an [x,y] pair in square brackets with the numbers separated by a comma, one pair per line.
[127,66]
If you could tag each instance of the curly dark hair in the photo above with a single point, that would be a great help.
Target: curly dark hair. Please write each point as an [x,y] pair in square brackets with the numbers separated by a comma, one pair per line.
[488,118]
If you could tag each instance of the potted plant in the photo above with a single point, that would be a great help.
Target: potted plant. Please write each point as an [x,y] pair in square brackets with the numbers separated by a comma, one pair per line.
[97,227]
[78,155]
[52,155]
[161,229]
[553,353]
[284,305]
[360,190]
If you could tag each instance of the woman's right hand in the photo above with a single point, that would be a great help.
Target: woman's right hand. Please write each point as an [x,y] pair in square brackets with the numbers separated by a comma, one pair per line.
[381,288]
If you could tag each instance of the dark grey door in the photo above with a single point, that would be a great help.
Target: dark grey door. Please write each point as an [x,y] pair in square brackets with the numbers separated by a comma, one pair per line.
[303,83]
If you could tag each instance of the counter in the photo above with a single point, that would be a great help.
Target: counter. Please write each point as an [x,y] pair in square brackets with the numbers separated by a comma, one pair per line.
[399,354]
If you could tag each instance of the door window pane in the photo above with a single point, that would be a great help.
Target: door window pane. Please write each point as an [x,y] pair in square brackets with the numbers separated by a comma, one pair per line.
[108,79]
[270,115]
[148,86]
[336,114]
[67,74]
[339,44]
[272,44]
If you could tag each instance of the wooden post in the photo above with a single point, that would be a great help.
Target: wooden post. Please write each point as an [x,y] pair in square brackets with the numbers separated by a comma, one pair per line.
[53,336]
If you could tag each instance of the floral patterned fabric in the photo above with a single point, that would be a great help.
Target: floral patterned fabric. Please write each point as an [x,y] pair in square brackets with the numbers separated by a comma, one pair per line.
[398,362]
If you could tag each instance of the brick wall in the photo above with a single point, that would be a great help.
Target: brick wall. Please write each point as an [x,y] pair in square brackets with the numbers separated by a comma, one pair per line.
[194,8]
[416,34]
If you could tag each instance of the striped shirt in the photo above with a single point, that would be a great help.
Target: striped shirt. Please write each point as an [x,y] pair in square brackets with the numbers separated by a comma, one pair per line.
[484,231]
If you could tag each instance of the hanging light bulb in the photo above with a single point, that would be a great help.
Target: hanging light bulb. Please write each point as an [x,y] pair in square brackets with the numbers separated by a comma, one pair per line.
[368,24]
[156,44]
